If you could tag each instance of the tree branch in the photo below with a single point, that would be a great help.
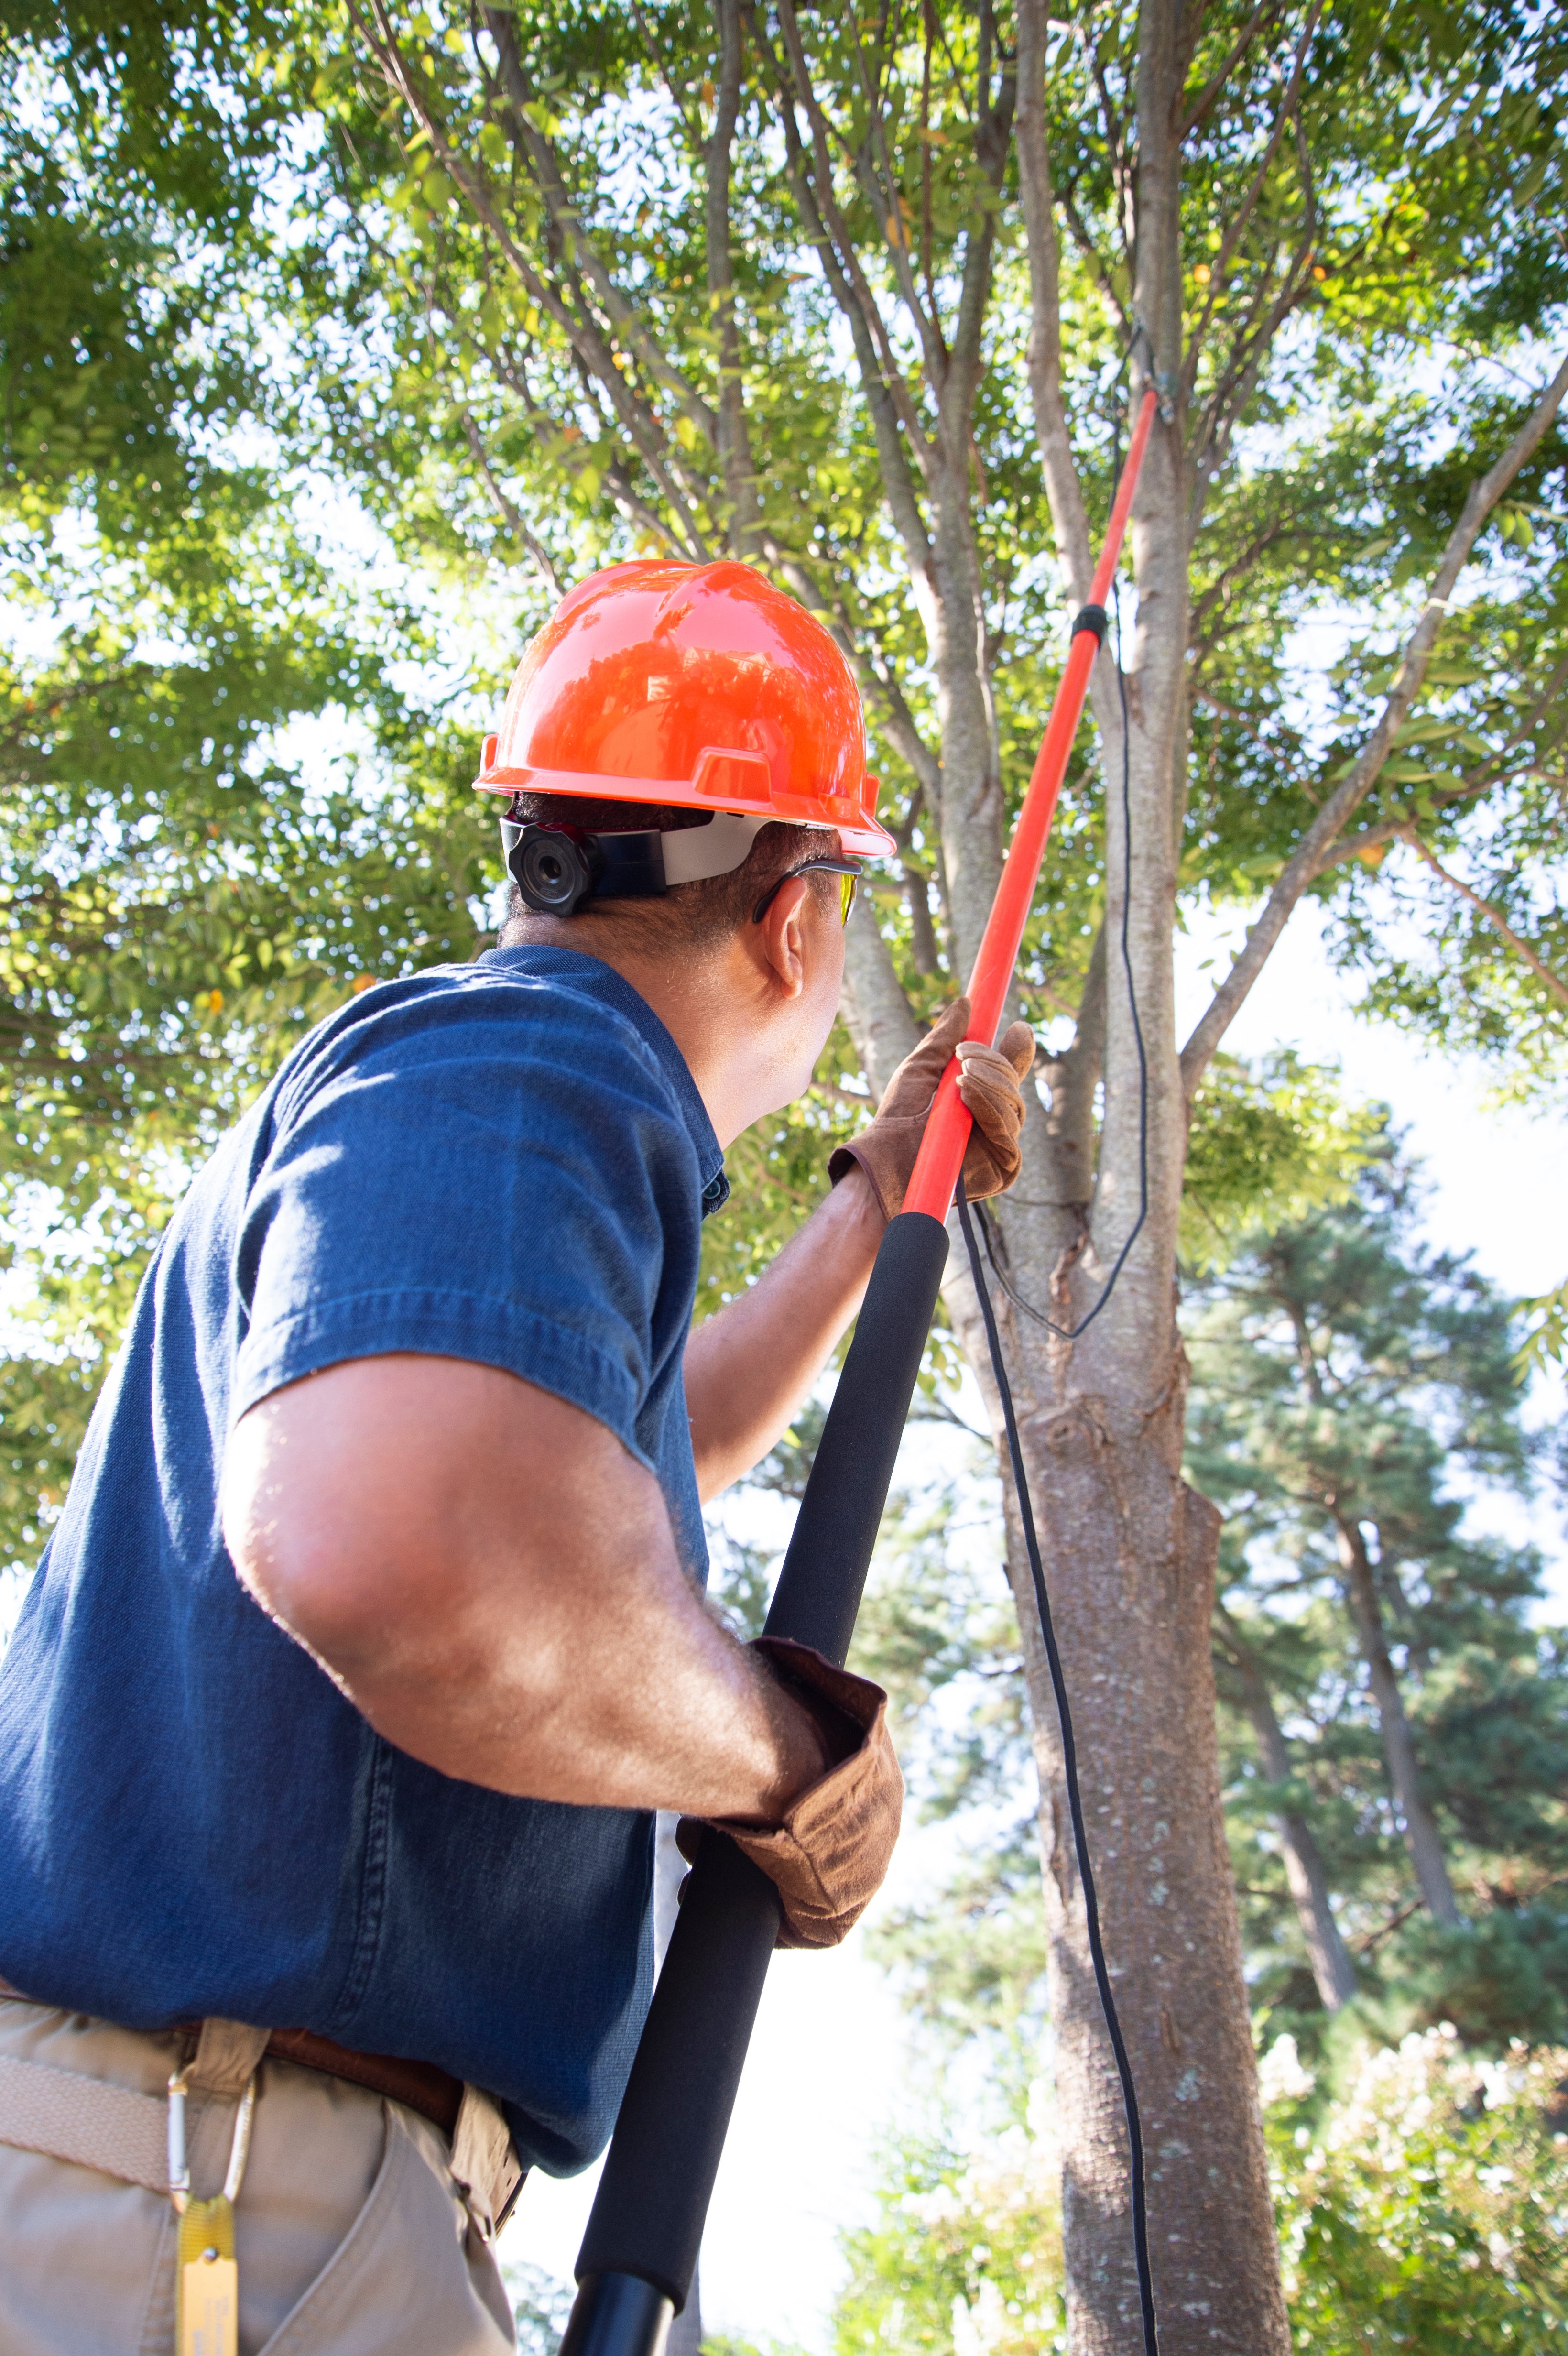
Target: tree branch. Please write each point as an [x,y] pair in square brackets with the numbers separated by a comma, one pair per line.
[1330,823]
[504,507]
[993,130]
[1227,405]
[1472,783]
[858,1098]
[1238,49]
[1493,915]
[876,327]
[1098,269]
[1474,780]
[1305,1874]
[1234,234]
[627,321]
[632,503]
[1115,145]
[580,327]
[34,711]
[884,202]
[898,480]
[1239,567]
[733,436]
[1367,1941]
[1253,728]
[1063,489]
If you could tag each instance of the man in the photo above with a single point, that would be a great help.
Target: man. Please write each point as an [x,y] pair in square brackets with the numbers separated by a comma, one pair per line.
[372,1631]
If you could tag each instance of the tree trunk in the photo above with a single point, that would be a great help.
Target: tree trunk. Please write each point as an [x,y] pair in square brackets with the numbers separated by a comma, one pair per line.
[1130,1551]
[1130,1555]
[1304,1870]
[1422,1837]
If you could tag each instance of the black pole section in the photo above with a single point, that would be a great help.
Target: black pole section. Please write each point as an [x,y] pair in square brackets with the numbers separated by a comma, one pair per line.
[824,1573]
[639,2252]
[624,2312]
[648,2212]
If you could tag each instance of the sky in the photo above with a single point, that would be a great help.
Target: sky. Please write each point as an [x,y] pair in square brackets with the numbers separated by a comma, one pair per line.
[831,2067]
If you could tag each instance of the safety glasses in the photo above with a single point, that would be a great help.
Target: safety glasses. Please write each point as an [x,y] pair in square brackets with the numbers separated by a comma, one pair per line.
[847,870]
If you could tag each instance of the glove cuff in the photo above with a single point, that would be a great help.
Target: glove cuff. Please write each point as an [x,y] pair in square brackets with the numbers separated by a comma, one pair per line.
[886,1152]
[828,1856]
[845,1158]
[844,1705]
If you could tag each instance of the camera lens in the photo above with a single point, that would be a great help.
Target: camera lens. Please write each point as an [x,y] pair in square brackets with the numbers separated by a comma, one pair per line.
[552,873]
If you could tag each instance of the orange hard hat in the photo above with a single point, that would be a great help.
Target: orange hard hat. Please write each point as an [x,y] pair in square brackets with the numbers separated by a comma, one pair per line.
[699,686]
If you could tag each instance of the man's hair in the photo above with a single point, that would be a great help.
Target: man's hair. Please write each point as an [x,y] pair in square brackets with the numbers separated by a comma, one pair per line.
[689,915]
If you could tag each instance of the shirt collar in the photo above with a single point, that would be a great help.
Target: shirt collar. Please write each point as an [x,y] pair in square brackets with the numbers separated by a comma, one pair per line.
[534,957]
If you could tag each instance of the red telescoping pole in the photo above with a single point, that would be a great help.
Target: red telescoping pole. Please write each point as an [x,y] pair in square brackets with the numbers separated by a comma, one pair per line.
[948,1130]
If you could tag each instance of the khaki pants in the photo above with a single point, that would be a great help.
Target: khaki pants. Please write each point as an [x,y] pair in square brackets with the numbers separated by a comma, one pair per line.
[350,2235]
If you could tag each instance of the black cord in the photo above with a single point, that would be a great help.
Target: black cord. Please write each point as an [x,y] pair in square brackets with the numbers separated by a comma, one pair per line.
[1071,1333]
[1074,1797]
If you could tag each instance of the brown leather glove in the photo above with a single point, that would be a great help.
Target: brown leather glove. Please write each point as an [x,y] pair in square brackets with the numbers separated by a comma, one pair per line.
[989,1086]
[828,1857]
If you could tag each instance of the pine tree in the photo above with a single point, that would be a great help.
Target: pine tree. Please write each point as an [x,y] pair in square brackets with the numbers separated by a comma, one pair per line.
[1375,1655]
[1396,1728]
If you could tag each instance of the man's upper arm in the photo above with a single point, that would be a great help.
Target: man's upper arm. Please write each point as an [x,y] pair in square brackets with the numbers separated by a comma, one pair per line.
[399,1493]
[466,1185]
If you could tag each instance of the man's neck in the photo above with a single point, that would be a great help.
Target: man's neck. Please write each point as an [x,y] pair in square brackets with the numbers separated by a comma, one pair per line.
[703,998]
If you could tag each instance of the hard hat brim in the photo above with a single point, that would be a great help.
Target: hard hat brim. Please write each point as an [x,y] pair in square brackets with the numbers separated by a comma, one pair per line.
[723,780]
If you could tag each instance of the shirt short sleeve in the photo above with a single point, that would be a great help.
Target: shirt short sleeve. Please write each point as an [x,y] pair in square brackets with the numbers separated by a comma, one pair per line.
[478,1166]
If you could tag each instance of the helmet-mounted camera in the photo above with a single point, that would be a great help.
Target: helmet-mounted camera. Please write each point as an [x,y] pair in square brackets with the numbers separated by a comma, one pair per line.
[557,868]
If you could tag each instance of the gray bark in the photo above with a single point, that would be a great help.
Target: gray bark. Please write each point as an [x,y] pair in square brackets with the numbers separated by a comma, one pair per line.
[734,443]
[1306,1875]
[1130,1550]
[1130,1553]
[1422,1837]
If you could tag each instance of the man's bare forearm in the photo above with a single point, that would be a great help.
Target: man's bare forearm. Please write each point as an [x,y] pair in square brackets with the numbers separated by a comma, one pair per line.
[492,1581]
[748,1368]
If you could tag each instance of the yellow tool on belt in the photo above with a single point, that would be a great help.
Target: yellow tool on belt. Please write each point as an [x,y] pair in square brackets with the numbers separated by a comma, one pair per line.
[206,2276]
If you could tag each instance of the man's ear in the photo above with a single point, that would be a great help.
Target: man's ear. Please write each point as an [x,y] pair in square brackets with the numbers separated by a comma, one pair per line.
[780,938]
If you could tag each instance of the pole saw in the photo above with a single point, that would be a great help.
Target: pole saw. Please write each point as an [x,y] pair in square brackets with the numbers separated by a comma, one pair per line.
[639,2252]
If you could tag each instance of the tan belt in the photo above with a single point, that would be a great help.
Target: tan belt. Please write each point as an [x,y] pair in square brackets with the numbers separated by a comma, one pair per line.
[123,2133]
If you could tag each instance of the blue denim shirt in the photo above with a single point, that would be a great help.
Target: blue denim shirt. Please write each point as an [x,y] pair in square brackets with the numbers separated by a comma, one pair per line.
[506,1161]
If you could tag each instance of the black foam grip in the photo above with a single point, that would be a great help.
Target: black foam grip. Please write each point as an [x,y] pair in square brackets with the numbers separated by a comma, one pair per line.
[824,1572]
[652,2201]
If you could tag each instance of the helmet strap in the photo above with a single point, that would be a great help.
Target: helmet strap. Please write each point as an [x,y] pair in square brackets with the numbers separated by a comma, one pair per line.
[558,867]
